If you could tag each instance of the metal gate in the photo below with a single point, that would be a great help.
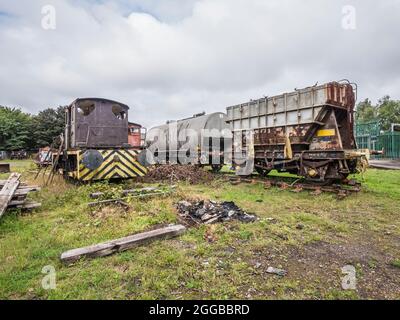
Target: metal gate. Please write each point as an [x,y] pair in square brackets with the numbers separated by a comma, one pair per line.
[370,136]
[390,143]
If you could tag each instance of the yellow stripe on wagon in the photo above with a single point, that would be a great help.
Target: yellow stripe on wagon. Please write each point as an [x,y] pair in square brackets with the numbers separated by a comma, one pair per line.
[326,132]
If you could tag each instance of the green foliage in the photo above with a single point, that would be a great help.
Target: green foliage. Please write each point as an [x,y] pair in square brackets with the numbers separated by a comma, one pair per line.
[48,124]
[366,112]
[19,130]
[396,263]
[386,112]
[15,129]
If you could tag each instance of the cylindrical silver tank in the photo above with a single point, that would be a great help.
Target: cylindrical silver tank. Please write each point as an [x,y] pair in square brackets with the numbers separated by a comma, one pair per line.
[210,130]
[209,122]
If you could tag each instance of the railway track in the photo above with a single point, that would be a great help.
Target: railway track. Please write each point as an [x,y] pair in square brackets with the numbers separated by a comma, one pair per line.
[342,190]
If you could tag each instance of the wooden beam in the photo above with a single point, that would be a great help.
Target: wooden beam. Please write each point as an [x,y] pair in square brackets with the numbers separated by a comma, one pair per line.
[138,192]
[14,203]
[7,192]
[109,201]
[3,182]
[24,191]
[23,204]
[110,247]
[29,205]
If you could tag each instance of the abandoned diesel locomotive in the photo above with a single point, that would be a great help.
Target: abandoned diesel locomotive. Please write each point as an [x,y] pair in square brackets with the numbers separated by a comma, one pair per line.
[308,132]
[95,144]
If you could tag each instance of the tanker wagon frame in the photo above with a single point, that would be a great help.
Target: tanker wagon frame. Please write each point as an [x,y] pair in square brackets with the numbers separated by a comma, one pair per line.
[308,132]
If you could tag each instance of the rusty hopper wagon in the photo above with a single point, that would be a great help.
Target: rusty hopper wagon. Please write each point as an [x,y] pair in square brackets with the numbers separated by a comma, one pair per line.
[95,145]
[308,132]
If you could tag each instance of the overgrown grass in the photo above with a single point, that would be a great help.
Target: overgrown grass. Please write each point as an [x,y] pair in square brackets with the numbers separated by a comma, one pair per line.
[232,266]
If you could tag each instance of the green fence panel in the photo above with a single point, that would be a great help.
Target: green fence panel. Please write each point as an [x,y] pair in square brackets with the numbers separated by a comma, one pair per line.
[368,128]
[369,136]
[390,142]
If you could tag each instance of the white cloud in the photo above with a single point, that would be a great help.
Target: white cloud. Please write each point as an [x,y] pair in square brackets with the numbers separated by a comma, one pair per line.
[170,59]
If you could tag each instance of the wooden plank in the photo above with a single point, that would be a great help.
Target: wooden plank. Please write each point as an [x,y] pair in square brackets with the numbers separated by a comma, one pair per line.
[18,198]
[138,192]
[14,203]
[141,191]
[110,247]
[23,204]
[7,192]
[120,200]
[97,195]
[3,182]
[29,205]
[109,201]
[149,190]
[25,191]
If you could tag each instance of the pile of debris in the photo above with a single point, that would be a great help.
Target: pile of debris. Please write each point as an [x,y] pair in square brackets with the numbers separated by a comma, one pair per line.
[172,173]
[13,194]
[211,212]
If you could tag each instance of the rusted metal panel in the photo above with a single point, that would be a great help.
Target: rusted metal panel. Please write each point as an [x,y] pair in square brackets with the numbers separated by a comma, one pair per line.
[302,106]
[306,131]
[136,135]
[44,157]
[96,123]
[327,137]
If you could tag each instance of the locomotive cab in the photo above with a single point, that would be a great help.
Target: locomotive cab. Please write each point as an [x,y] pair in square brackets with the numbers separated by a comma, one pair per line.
[96,142]
[96,123]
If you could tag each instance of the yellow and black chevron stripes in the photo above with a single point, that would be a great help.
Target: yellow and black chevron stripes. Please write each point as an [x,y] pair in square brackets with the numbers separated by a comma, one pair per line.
[116,164]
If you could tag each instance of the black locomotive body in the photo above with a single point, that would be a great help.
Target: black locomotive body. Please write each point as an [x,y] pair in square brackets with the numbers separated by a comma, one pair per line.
[95,145]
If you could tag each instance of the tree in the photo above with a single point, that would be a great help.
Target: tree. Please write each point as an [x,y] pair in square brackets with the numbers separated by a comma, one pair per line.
[15,129]
[388,112]
[366,112]
[48,124]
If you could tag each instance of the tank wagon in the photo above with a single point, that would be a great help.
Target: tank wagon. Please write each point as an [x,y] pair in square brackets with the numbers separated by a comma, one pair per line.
[95,144]
[308,132]
[212,137]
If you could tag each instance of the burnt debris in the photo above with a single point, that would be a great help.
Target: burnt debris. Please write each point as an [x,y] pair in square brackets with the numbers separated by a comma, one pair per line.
[209,211]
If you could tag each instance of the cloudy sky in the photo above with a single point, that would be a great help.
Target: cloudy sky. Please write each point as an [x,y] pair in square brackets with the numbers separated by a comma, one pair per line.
[169,59]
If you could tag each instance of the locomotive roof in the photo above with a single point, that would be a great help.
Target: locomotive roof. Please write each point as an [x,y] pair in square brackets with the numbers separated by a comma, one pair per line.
[100,100]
